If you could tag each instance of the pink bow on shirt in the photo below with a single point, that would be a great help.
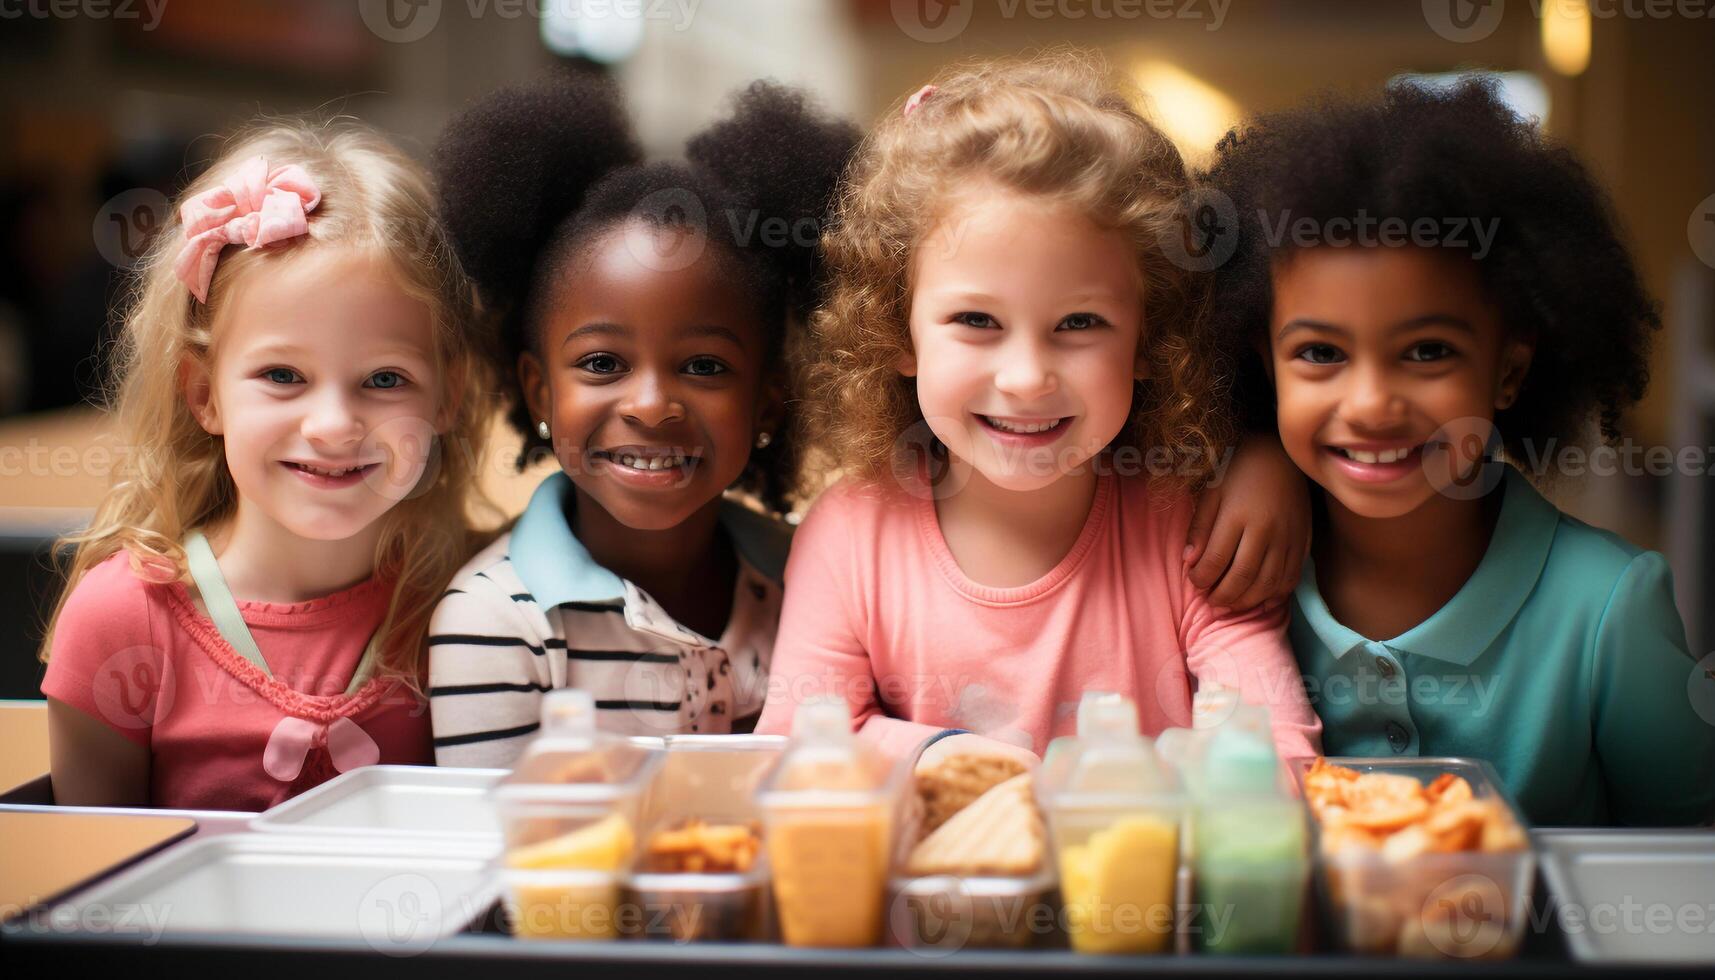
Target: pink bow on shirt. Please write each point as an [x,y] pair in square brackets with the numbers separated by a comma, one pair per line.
[348,745]
[253,206]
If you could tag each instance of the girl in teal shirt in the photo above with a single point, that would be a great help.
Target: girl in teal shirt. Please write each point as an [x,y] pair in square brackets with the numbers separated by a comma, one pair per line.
[1439,296]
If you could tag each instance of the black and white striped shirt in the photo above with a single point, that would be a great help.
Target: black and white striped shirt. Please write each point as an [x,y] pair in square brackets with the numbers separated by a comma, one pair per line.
[533,612]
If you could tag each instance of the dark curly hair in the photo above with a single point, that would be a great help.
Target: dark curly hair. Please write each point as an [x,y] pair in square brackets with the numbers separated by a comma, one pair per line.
[1557,270]
[530,174]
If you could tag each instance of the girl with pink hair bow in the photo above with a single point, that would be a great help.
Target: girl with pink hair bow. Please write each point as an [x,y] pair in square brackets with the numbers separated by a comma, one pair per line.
[244,617]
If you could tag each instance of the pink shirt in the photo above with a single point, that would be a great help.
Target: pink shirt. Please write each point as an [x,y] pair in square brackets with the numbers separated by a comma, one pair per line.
[142,659]
[878,610]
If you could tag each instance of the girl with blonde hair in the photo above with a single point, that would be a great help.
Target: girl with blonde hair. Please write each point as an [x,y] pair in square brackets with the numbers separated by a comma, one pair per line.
[299,395]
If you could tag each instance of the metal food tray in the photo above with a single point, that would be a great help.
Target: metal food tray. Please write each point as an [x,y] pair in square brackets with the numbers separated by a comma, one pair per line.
[396,802]
[1627,896]
[396,897]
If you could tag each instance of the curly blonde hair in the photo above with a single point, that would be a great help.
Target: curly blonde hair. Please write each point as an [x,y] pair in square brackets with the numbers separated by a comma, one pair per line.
[176,478]
[1055,125]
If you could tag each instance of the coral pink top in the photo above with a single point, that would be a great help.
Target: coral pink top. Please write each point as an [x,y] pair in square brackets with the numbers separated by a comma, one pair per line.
[141,658]
[878,610]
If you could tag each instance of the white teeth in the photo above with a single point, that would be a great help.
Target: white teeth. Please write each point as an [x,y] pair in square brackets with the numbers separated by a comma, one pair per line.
[321,472]
[647,463]
[1385,456]
[1006,426]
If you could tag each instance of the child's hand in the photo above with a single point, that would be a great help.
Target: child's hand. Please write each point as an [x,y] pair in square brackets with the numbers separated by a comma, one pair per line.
[1251,530]
[966,743]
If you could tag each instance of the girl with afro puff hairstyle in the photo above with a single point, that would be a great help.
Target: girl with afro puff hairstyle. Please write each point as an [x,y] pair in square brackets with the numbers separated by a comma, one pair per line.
[642,312]
[1431,298]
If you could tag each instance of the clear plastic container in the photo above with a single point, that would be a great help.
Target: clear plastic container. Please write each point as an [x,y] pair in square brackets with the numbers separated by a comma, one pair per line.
[1435,905]
[950,912]
[1114,815]
[828,815]
[1247,840]
[714,779]
[569,816]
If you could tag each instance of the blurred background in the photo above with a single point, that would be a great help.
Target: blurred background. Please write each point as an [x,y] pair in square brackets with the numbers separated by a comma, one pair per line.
[109,106]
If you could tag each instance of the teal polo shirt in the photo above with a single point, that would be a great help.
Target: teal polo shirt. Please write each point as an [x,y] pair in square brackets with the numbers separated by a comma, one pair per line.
[1562,661]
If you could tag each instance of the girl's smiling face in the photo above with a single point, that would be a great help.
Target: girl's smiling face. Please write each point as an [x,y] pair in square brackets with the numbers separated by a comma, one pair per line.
[1026,321]
[1389,365]
[326,389]
[652,375]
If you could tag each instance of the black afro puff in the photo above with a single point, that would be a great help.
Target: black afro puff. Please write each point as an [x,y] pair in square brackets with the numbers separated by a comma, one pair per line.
[1557,269]
[530,174]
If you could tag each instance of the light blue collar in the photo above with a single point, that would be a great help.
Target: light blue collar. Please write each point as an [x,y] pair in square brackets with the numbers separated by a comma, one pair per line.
[1483,607]
[557,569]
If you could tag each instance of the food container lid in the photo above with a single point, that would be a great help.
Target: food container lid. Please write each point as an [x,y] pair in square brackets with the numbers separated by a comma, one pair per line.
[825,766]
[1109,764]
[572,761]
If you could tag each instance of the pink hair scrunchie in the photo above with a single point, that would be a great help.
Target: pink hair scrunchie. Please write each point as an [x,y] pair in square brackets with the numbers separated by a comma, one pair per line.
[917,98]
[252,206]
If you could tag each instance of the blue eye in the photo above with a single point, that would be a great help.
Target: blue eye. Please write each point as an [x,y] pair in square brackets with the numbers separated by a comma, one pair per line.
[386,379]
[1320,354]
[1081,321]
[704,367]
[981,321]
[282,376]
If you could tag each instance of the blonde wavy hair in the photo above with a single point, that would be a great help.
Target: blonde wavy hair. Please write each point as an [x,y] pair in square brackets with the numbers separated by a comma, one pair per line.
[1055,125]
[175,477]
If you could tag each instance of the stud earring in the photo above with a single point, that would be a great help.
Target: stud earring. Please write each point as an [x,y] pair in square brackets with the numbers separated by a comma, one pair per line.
[542,429]
[763,439]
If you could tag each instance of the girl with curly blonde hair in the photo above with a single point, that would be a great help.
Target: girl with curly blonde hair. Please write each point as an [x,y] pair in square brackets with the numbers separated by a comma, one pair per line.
[300,395]
[1011,382]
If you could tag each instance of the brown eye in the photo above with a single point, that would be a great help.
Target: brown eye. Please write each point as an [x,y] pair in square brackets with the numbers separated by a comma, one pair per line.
[704,367]
[1320,354]
[1431,350]
[601,364]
